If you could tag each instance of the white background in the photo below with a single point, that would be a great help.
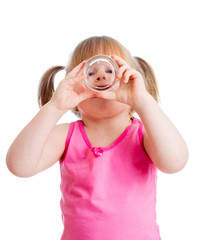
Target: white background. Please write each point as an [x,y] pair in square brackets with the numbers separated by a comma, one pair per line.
[36,35]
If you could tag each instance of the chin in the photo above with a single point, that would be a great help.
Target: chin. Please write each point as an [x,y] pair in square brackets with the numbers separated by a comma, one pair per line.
[101,107]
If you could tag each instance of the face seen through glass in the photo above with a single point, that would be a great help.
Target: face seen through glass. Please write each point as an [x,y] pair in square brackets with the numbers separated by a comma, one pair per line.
[101,73]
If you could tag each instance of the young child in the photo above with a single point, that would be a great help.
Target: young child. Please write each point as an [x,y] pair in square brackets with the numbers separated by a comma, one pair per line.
[108,159]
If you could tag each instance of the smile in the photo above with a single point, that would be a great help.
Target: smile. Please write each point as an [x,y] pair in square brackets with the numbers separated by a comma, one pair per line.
[102,85]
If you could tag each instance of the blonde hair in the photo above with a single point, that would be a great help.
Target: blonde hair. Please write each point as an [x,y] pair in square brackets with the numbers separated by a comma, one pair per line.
[88,48]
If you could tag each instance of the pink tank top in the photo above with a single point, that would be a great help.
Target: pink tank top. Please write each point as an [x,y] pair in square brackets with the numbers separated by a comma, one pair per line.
[108,193]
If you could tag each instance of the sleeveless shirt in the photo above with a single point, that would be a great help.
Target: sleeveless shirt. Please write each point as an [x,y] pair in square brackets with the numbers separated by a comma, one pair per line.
[108,193]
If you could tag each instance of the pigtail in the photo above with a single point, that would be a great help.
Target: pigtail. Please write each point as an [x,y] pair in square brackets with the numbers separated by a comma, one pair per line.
[46,86]
[149,77]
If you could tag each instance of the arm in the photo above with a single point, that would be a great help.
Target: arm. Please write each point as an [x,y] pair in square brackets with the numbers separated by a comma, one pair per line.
[161,139]
[39,145]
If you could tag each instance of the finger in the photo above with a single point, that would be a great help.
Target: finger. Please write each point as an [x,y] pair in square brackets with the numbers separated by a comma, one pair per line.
[135,73]
[81,70]
[85,95]
[78,79]
[76,70]
[119,61]
[106,95]
[74,80]
[127,75]
[121,71]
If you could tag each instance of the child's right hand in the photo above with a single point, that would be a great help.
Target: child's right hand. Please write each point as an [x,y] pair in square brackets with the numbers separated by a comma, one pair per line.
[71,91]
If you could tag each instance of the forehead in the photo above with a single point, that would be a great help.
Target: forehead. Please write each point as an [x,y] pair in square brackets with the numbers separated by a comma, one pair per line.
[100,64]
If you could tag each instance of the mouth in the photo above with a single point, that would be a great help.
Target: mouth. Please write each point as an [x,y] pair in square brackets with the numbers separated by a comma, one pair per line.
[103,87]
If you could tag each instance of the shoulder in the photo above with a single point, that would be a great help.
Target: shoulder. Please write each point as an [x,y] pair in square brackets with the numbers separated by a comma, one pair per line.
[54,147]
[62,127]
[64,131]
[61,130]
[139,128]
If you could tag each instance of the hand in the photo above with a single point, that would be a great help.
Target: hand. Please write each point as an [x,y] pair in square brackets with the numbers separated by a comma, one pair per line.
[70,91]
[131,88]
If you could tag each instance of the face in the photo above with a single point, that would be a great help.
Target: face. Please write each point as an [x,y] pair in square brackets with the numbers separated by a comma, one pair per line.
[101,75]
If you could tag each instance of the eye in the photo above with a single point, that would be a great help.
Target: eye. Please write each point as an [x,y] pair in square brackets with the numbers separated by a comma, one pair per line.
[109,71]
[91,74]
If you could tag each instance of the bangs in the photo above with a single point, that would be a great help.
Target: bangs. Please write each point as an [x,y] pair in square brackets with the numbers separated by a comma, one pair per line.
[94,46]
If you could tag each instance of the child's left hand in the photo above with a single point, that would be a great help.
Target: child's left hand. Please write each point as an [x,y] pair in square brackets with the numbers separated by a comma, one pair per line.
[131,88]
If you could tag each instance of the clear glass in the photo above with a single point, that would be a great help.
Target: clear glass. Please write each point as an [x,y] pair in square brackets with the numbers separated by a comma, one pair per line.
[101,73]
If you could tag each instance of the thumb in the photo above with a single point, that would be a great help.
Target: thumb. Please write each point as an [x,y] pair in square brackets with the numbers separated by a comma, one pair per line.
[85,95]
[106,95]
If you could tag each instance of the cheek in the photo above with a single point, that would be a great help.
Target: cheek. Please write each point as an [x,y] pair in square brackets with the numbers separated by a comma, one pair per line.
[83,106]
[99,107]
[109,77]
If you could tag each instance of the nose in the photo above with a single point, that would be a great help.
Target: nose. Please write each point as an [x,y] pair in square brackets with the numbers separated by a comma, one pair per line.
[101,78]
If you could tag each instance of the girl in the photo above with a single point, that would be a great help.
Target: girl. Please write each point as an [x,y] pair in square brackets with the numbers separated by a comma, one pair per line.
[108,159]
